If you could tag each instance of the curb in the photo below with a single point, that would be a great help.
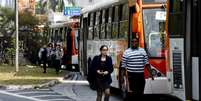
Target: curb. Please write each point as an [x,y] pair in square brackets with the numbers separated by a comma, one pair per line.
[69,76]
[23,87]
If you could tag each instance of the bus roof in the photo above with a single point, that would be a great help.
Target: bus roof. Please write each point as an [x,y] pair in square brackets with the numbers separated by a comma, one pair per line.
[101,5]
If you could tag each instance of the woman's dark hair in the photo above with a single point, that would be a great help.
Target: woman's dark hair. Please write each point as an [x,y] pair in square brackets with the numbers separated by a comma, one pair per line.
[50,44]
[101,48]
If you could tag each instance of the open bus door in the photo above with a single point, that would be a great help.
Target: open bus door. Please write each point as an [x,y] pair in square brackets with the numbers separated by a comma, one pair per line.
[72,49]
[148,23]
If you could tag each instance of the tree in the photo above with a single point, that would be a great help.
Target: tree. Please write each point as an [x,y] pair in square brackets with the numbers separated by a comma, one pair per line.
[27,20]
[27,35]
[7,29]
[7,19]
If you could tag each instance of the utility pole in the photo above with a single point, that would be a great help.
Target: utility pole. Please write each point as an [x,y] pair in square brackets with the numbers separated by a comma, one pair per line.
[17,37]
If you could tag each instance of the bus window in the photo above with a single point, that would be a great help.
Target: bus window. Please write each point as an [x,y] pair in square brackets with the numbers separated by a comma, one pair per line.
[96,32]
[81,27]
[97,23]
[88,19]
[176,18]
[102,27]
[125,12]
[123,30]
[108,30]
[115,30]
[103,16]
[91,19]
[115,24]
[90,33]
[56,35]
[110,15]
[102,32]
[91,23]
[60,35]
[154,29]
[76,39]
[65,31]
[116,14]
[109,24]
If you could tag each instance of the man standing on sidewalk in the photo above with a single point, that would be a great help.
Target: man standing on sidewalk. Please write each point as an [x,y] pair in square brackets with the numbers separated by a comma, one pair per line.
[43,57]
[134,61]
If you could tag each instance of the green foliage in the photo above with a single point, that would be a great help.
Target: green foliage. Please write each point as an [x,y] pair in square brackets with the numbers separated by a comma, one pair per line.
[10,52]
[7,18]
[29,38]
[27,19]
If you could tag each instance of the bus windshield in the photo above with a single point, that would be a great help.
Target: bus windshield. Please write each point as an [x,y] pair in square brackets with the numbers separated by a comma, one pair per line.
[154,31]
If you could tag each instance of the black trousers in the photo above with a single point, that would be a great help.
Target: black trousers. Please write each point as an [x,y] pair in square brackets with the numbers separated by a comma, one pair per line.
[137,84]
[57,65]
[44,62]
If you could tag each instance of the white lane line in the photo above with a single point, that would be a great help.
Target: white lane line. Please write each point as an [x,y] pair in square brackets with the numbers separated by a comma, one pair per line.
[47,95]
[12,90]
[58,99]
[20,96]
[75,81]
[34,92]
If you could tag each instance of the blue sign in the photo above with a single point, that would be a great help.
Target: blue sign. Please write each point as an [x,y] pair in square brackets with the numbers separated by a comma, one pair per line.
[72,11]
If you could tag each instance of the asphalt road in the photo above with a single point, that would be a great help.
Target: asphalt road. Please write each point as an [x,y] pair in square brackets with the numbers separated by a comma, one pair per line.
[5,96]
[32,95]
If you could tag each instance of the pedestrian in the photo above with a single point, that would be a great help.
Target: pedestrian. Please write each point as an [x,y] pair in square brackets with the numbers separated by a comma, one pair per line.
[43,57]
[49,51]
[134,61]
[102,67]
[58,52]
[91,75]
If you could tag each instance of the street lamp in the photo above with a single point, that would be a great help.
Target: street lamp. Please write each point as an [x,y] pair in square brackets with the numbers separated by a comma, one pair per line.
[17,37]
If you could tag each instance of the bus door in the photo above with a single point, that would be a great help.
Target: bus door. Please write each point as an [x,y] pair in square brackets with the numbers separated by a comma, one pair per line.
[154,41]
[72,49]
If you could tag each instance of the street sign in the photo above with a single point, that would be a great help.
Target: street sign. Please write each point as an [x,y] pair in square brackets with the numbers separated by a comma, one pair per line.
[71,11]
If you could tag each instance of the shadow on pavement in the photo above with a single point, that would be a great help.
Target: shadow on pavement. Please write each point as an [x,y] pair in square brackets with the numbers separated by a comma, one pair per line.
[153,97]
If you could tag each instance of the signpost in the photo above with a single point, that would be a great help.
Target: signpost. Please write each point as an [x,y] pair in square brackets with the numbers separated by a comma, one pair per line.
[71,11]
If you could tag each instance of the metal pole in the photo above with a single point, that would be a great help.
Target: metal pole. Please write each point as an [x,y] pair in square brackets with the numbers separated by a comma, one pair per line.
[187,51]
[17,37]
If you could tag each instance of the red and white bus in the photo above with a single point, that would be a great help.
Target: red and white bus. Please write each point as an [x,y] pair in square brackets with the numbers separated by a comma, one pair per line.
[114,23]
[66,34]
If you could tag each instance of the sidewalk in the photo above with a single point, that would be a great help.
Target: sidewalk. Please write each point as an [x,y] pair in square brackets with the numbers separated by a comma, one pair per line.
[22,87]
[69,76]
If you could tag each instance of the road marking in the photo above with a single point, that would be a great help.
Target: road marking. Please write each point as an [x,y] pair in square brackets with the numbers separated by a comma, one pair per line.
[20,96]
[47,95]
[75,81]
[34,92]
[60,99]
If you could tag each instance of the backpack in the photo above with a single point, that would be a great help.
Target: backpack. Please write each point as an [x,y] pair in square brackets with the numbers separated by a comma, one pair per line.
[44,53]
[53,55]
